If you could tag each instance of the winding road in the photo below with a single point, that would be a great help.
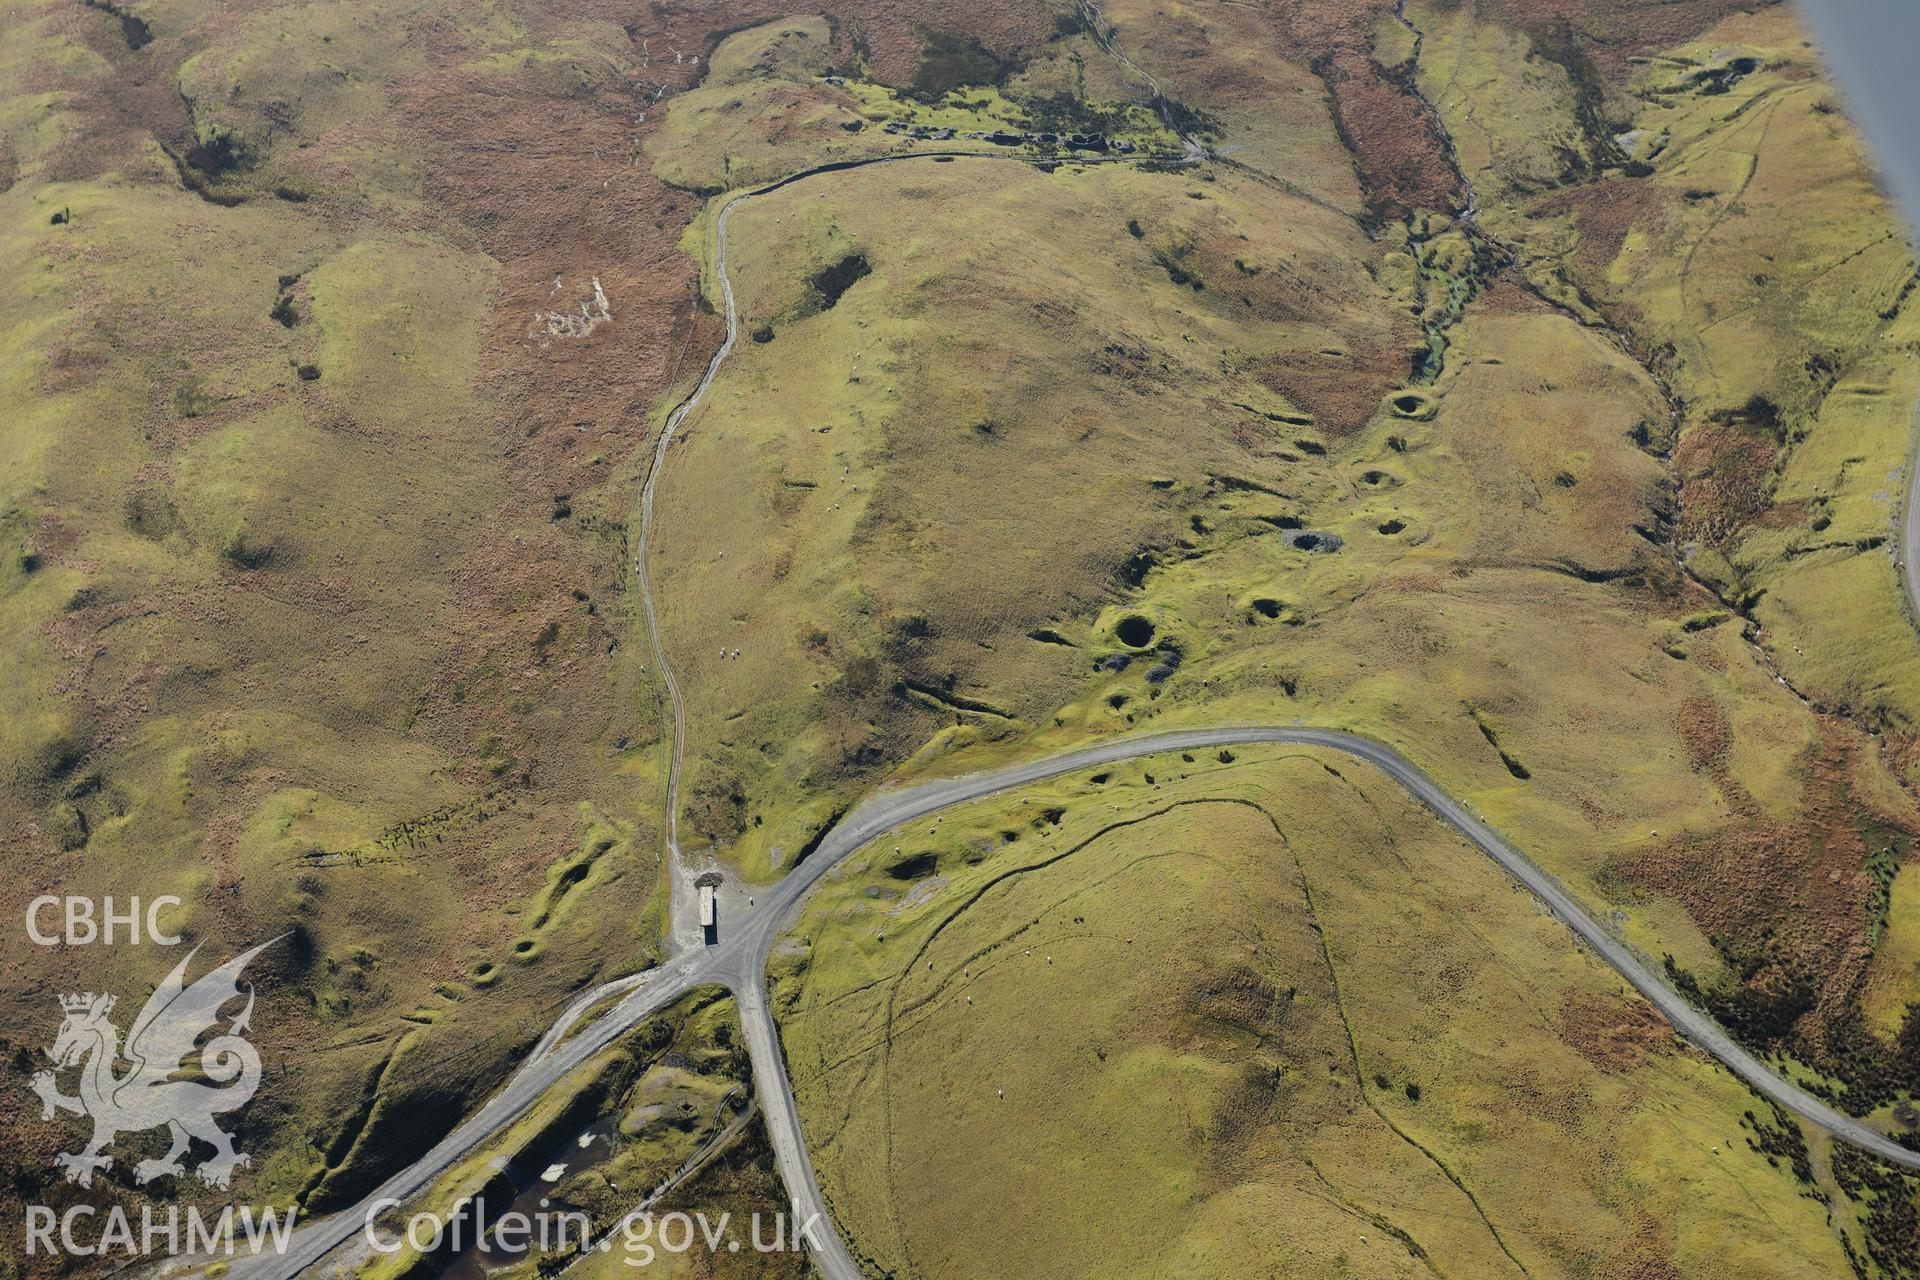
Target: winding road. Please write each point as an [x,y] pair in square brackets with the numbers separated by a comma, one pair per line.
[740,965]
[739,962]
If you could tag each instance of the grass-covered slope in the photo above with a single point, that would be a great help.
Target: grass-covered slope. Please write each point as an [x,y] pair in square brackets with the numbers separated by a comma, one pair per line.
[1710,199]
[1263,1012]
[884,537]
[309,621]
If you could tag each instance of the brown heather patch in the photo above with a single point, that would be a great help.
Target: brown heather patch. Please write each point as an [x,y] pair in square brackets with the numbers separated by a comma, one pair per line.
[551,186]
[1342,393]
[1614,1034]
[892,31]
[1901,749]
[1704,732]
[1642,1256]
[1782,898]
[1603,213]
[1786,515]
[114,128]
[1727,469]
[1398,147]
[1711,659]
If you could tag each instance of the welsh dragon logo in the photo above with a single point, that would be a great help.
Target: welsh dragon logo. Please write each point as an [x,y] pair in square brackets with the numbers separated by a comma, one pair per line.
[150,1094]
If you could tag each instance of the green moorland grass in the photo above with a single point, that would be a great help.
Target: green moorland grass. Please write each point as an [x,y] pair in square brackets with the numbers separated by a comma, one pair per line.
[1264,1012]
[1738,238]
